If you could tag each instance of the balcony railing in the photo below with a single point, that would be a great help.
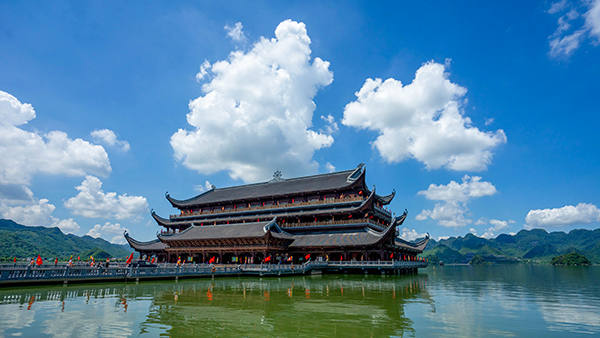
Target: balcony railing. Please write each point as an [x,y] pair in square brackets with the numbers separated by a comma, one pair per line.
[273,206]
[338,222]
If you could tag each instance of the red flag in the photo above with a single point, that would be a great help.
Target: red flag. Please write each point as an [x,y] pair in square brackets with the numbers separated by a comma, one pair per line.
[129,259]
[212,259]
[392,255]
[307,257]
[268,259]
[39,260]
[152,260]
[15,260]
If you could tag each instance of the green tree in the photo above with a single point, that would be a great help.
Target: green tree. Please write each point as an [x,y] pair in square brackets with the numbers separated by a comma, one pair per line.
[477,260]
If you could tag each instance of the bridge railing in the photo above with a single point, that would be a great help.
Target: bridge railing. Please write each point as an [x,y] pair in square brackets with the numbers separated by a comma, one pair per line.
[16,273]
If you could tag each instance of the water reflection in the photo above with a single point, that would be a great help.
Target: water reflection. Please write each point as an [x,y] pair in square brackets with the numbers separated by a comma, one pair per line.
[517,301]
[355,306]
[450,301]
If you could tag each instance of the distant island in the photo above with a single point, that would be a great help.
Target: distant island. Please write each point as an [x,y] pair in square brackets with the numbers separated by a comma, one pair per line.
[527,246]
[22,241]
[572,259]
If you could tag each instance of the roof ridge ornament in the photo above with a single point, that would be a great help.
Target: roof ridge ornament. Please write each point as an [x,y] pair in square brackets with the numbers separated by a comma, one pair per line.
[277,176]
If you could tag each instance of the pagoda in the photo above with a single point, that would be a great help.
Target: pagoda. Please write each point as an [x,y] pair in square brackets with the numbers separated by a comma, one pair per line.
[332,216]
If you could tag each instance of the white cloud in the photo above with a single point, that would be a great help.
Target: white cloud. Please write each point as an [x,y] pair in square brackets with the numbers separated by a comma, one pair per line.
[442,237]
[497,226]
[37,213]
[68,226]
[235,32]
[257,110]
[592,19]
[582,213]
[574,27]
[411,234]
[329,167]
[24,154]
[422,120]
[332,126]
[202,188]
[112,232]
[92,202]
[557,7]
[109,137]
[204,67]
[450,212]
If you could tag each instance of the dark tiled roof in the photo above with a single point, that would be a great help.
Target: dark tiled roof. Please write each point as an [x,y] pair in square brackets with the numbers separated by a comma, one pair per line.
[238,230]
[336,239]
[342,239]
[419,246]
[155,245]
[286,187]
[346,208]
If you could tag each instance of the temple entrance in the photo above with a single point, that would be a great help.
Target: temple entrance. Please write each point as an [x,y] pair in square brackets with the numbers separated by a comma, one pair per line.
[229,258]
[374,256]
[198,258]
[336,257]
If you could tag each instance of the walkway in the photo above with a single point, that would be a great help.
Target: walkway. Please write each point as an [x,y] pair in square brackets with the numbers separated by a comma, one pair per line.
[11,275]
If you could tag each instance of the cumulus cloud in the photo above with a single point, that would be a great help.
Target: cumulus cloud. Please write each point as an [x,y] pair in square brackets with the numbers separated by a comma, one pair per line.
[411,234]
[112,232]
[452,209]
[24,154]
[235,32]
[257,111]
[496,227]
[202,188]
[422,120]
[582,213]
[93,202]
[37,213]
[578,21]
[109,137]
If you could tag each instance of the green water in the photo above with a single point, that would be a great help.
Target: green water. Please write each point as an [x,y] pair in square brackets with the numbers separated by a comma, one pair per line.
[450,301]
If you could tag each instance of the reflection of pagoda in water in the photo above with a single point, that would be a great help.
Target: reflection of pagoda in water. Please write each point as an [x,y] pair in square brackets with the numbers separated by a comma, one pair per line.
[317,307]
[332,216]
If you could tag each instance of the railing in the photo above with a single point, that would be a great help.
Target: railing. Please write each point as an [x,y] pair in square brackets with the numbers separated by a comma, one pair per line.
[11,274]
[274,206]
[345,221]
[383,210]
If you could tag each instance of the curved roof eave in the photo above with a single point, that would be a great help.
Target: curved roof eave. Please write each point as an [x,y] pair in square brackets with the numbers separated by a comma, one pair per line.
[154,245]
[182,203]
[160,220]
[385,200]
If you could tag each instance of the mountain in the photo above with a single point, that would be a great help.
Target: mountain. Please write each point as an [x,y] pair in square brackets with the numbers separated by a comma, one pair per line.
[536,244]
[22,241]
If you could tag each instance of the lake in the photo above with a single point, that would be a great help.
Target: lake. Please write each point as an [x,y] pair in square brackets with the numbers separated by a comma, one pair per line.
[449,301]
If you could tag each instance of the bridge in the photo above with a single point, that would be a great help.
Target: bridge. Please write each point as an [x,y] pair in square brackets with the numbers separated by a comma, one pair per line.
[17,275]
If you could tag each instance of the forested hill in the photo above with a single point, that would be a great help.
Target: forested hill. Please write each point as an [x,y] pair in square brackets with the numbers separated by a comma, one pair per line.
[22,241]
[536,244]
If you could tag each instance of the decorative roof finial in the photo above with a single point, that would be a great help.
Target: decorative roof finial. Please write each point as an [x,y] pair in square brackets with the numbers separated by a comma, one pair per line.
[277,176]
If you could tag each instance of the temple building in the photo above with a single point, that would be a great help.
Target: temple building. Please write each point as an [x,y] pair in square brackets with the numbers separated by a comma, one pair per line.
[332,216]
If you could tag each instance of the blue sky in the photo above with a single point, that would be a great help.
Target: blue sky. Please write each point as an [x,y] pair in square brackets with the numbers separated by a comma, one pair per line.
[482,116]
